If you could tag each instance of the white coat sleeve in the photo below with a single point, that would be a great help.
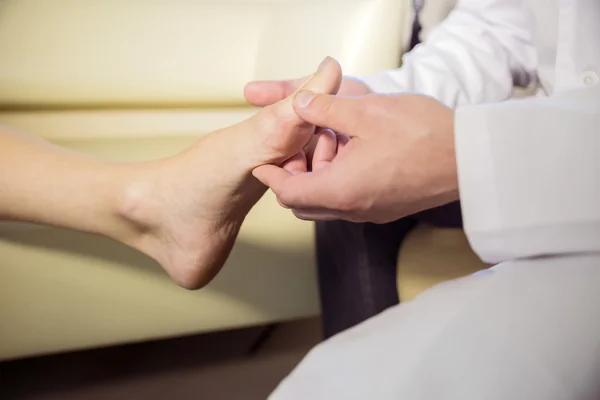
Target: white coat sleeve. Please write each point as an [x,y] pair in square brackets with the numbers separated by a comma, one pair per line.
[529,175]
[477,54]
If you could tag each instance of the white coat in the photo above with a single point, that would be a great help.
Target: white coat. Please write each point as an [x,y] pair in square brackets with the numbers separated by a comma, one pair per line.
[529,175]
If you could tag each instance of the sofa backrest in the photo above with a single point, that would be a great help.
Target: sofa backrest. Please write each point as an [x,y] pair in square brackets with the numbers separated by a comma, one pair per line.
[139,53]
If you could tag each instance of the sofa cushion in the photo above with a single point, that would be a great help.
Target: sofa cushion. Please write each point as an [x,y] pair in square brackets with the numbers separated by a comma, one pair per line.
[433,255]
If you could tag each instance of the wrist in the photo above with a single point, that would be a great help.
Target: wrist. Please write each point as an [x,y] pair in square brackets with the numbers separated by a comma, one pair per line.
[451,192]
[446,174]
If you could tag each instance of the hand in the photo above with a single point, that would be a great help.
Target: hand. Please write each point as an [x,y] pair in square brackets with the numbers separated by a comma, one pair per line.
[399,159]
[265,93]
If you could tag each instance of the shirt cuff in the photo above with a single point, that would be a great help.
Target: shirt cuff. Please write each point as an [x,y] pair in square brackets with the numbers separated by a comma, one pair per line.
[476,177]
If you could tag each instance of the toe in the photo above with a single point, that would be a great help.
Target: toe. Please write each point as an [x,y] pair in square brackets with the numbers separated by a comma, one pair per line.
[280,132]
[327,79]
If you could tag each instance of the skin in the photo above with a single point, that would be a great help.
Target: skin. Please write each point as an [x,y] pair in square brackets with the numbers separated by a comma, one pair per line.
[184,211]
[399,159]
[265,93]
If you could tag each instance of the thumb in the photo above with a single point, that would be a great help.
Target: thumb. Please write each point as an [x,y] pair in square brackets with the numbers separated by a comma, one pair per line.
[340,114]
[280,132]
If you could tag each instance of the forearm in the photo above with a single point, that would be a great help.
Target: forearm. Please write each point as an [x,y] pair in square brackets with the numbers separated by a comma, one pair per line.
[42,183]
[476,55]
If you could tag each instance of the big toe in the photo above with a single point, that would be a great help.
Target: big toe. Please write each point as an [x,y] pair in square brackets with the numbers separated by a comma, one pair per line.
[327,79]
[282,133]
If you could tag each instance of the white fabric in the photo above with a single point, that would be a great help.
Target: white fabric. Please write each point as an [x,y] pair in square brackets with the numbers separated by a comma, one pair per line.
[527,168]
[528,171]
[517,333]
[529,175]
[476,55]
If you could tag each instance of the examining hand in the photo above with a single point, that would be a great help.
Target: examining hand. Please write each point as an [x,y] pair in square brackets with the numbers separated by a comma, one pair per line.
[322,148]
[399,159]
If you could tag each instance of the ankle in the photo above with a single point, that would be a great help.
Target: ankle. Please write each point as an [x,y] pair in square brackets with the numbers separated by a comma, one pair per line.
[134,206]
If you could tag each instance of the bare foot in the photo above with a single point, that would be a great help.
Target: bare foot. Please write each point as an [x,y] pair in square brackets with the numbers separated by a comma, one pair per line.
[190,207]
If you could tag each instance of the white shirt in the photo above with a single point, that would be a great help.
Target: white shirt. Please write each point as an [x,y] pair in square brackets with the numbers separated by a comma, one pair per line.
[528,169]
[529,184]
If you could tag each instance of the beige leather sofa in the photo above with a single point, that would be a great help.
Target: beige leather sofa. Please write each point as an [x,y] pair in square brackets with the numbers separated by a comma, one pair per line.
[141,79]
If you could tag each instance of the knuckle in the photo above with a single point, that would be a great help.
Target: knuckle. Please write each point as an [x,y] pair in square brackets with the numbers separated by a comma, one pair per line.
[282,203]
[284,200]
[287,200]
[358,208]
[362,209]
[346,203]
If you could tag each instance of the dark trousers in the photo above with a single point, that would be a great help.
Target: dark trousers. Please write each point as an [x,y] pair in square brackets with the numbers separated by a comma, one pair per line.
[357,265]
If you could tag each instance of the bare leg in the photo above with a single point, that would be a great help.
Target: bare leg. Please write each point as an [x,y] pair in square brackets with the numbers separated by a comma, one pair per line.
[184,211]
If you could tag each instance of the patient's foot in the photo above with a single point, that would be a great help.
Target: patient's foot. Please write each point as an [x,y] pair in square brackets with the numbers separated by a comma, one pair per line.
[190,207]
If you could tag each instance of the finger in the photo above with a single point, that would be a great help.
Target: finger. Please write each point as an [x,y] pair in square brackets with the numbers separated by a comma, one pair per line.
[265,93]
[271,175]
[296,164]
[341,114]
[307,190]
[342,140]
[325,149]
[281,204]
[315,215]
[342,143]
[268,173]
[310,148]
[281,132]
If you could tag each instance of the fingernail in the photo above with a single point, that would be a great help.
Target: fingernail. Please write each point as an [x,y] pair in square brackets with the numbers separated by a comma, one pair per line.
[324,63]
[303,98]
